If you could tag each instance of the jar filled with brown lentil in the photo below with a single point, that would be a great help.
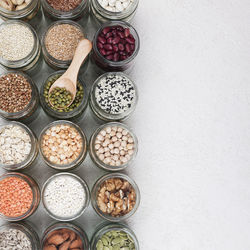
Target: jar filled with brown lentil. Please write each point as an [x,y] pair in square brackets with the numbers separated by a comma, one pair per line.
[75,111]
[23,9]
[17,188]
[59,42]
[20,48]
[69,9]
[115,197]
[63,145]
[19,96]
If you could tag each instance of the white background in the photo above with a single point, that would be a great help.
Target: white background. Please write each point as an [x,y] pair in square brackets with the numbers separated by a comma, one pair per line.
[193,125]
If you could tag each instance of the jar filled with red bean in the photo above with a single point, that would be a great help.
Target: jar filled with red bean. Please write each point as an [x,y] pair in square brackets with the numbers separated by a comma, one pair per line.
[66,9]
[115,46]
[19,196]
[103,10]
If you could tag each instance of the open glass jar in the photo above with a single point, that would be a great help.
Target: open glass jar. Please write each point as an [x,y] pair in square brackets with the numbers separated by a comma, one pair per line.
[24,146]
[65,196]
[115,197]
[113,146]
[24,11]
[61,10]
[20,47]
[28,111]
[75,110]
[115,46]
[113,97]
[103,14]
[19,235]
[75,237]
[63,145]
[21,189]
[106,233]
[59,42]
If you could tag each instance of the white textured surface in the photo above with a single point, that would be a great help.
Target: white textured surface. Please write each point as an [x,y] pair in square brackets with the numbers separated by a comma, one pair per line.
[193,124]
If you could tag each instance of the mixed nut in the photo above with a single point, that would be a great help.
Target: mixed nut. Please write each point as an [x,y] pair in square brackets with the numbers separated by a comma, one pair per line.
[14,5]
[63,239]
[116,197]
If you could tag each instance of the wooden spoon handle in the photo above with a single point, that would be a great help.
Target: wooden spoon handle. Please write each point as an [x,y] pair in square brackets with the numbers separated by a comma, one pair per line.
[82,50]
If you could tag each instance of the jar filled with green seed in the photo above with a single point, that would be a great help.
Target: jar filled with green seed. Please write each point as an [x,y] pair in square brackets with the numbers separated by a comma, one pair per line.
[114,236]
[60,98]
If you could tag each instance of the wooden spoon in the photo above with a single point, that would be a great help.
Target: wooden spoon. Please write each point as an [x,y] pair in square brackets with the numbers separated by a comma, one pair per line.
[69,79]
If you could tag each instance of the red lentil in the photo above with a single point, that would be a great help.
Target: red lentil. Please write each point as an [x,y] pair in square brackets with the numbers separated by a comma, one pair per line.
[15,197]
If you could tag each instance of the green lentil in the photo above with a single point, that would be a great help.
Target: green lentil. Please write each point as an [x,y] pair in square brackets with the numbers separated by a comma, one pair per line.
[115,240]
[76,102]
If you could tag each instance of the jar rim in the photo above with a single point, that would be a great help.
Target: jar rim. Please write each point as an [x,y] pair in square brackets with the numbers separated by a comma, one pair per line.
[64,14]
[82,154]
[86,190]
[68,225]
[106,227]
[24,111]
[118,15]
[24,61]
[96,187]
[100,112]
[96,159]
[132,30]
[33,151]
[44,48]
[35,192]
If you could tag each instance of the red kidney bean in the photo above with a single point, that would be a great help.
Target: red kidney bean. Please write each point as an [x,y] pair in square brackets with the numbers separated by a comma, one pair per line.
[109,52]
[108,47]
[116,57]
[99,45]
[116,40]
[109,40]
[120,34]
[123,41]
[115,48]
[103,52]
[132,46]
[126,32]
[110,57]
[127,48]
[108,35]
[101,40]
[121,46]
[106,30]
[130,40]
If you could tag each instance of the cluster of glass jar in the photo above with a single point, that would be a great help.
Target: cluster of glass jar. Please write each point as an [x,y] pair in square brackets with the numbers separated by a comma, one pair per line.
[115,53]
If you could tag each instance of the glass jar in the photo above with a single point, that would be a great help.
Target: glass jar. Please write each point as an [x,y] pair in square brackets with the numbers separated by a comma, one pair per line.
[86,191]
[35,191]
[81,11]
[25,14]
[102,114]
[27,230]
[105,228]
[75,163]
[93,152]
[32,154]
[102,15]
[53,62]
[28,62]
[28,113]
[108,65]
[70,226]
[94,196]
[76,113]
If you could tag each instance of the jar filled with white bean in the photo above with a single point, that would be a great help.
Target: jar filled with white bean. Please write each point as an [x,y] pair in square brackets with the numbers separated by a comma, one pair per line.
[113,146]
[112,10]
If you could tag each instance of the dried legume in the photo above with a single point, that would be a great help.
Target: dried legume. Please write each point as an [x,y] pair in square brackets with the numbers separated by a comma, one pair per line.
[77,101]
[15,144]
[63,238]
[115,240]
[115,94]
[114,145]
[60,98]
[61,41]
[15,197]
[17,41]
[116,197]
[64,5]
[15,92]
[13,5]
[115,5]
[116,43]
[64,196]
[61,144]
[13,239]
